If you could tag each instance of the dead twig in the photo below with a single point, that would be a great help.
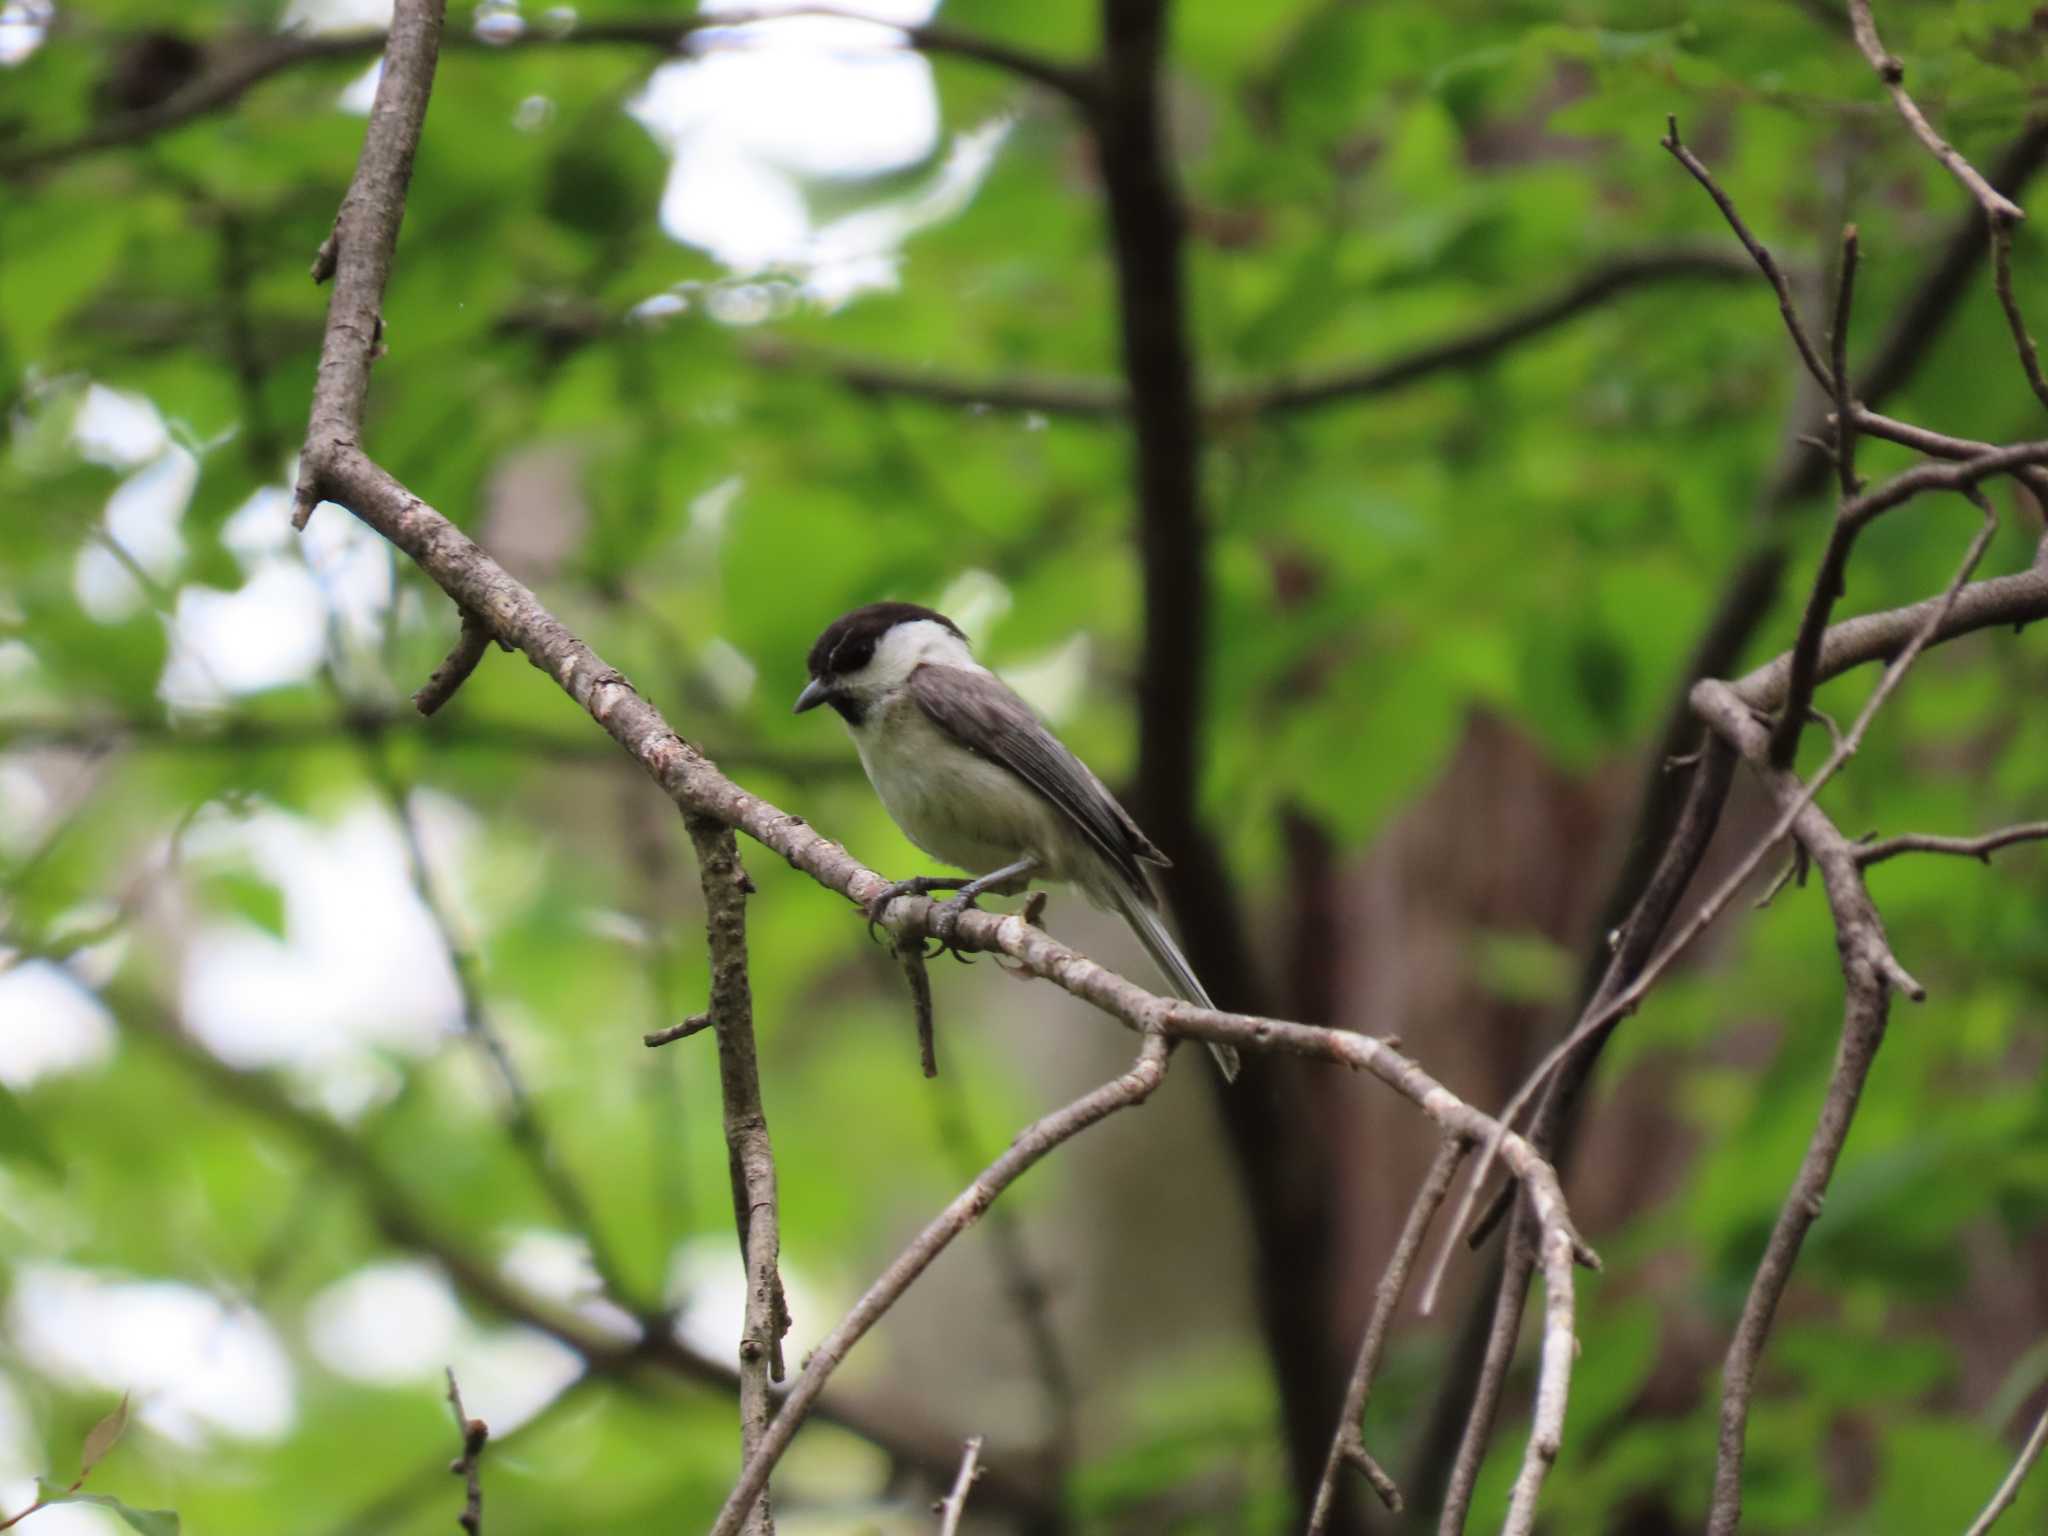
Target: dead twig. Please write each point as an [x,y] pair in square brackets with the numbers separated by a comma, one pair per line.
[954,1504]
[474,1433]
[1348,1444]
[2009,1490]
[1996,205]
[462,660]
[1761,256]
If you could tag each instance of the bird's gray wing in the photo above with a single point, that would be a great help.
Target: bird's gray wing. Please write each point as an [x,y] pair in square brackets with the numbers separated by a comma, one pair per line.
[985,717]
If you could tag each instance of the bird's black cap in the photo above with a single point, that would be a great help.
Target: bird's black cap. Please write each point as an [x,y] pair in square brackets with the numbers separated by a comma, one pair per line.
[848,643]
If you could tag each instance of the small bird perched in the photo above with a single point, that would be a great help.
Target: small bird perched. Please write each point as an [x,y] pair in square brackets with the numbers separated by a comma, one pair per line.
[974,778]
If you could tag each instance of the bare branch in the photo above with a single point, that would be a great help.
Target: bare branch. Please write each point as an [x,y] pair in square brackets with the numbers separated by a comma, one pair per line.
[696,1023]
[656,1353]
[2009,1490]
[1758,254]
[2001,284]
[1979,848]
[335,466]
[1838,362]
[469,649]
[954,1504]
[1828,585]
[1997,207]
[1023,1284]
[474,1433]
[1870,973]
[1348,1444]
[750,1156]
[1605,281]
[1719,703]
[1107,400]
[1032,1144]
[243,63]
[247,733]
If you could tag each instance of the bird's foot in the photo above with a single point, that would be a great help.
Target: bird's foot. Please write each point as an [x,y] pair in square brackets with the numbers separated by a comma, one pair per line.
[946,922]
[916,885]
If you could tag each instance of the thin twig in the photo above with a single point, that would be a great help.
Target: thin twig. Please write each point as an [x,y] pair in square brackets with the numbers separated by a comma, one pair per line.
[474,1433]
[954,1504]
[1828,584]
[1024,1285]
[2009,1490]
[246,63]
[468,650]
[1996,205]
[696,1023]
[1838,359]
[1032,1144]
[2001,283]
[1348,1443]
[1979,848]
[2001,213]
[1108,400]
[1870,974]
[1630,997]
[1762,257]
[656,1353]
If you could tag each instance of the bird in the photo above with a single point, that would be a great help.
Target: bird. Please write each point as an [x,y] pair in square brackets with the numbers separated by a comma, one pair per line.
[975,779]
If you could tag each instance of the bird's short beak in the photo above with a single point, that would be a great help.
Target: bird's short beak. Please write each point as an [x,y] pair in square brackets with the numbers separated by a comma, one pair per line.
[815,693]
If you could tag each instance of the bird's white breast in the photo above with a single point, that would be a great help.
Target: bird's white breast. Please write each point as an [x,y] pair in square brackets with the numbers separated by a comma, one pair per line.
[964,809]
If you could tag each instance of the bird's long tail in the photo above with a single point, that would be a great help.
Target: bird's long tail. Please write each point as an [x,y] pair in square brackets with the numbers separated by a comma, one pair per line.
[1146,923]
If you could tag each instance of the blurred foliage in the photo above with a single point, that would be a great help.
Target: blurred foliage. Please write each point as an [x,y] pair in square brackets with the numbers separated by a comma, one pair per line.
[1538,539]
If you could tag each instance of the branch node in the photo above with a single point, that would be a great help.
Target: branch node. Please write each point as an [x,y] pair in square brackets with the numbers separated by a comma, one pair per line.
[1356,1455]
[327,260]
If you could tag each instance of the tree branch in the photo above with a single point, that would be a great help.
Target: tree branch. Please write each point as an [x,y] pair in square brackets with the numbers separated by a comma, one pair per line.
[1979,848]
[750,1156]
[1675,813]
[1605,281]
[468,1466]
[2009,1490]
[1032,1144]
[1758,253]
[469,649]
[1348,1444]
[335,467]
[1870,973]
[1107,400]
[954,1505]
[1997,207]
[243,63]
[657,1351]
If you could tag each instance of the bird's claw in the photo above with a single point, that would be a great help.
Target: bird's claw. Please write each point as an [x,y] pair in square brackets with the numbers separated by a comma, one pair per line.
[916,885]
[946,922]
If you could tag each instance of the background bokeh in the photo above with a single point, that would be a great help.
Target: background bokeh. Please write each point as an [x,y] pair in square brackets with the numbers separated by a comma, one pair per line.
[253,911]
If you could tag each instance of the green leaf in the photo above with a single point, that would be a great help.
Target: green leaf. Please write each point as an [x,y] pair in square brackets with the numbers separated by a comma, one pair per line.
[150,1522]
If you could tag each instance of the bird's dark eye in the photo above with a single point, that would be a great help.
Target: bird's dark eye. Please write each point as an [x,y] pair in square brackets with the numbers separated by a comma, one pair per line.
[854,652]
